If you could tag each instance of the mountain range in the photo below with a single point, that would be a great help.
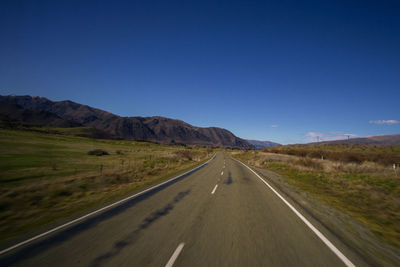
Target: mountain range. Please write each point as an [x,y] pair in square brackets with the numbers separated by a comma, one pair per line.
[42,111]
[262,144]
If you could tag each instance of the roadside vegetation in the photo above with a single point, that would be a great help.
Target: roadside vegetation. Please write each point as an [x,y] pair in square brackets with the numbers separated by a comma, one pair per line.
[47,176]
[358,180]
[354,153]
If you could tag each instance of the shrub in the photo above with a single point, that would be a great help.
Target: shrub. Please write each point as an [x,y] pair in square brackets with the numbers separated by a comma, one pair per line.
[351,157]
[387,159]
[309,163]
[98,152]
[186,154]
[317,154]
[62,193]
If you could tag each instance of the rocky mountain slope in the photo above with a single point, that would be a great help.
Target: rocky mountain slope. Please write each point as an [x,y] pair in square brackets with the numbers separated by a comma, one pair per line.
[14,112]
[155,129]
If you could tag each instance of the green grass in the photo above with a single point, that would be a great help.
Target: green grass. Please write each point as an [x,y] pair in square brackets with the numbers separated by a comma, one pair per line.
[45,176]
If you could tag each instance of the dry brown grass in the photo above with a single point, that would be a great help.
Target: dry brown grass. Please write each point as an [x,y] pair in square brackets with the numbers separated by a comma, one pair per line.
[384,155]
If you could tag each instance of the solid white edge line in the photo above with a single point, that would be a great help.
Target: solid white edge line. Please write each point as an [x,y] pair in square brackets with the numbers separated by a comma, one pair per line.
[174,256]
[100,210]
[328,243]
[215,188]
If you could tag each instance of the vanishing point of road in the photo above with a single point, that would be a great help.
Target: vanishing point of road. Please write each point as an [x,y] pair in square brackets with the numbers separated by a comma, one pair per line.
[222,214]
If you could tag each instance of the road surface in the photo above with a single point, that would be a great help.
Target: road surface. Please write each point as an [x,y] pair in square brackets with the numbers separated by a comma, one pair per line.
[220,215]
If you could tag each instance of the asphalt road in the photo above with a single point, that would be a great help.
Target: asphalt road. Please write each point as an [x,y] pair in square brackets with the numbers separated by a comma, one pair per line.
[220,215]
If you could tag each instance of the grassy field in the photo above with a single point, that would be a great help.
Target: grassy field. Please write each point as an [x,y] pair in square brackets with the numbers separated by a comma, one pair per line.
[45,176]
[368,191]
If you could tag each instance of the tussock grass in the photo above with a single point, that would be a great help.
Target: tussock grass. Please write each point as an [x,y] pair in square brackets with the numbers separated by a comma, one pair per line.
[368,191]
[101,152]
[384,155]
[44,177]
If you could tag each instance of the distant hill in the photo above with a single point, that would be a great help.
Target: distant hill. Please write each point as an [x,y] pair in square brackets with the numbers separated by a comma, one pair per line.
[154,129]
[13,116]
[14,112]
[393,139]
[262,144]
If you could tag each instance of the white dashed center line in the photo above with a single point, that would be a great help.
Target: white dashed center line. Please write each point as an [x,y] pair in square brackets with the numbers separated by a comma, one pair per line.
[174,256]
[215,188]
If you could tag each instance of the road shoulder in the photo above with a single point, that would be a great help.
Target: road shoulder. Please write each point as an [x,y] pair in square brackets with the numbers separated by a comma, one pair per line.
[360,243]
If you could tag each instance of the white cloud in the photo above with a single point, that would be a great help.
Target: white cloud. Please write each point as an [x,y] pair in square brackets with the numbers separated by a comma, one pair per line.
[387,122]
[274,126]
[316,136]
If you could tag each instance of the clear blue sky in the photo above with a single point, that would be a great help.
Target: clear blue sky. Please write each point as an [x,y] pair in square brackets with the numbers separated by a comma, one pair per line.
[285,71]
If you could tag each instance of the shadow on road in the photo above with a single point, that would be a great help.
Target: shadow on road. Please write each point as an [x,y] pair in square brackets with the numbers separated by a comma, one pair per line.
[131,237]
[229,179]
